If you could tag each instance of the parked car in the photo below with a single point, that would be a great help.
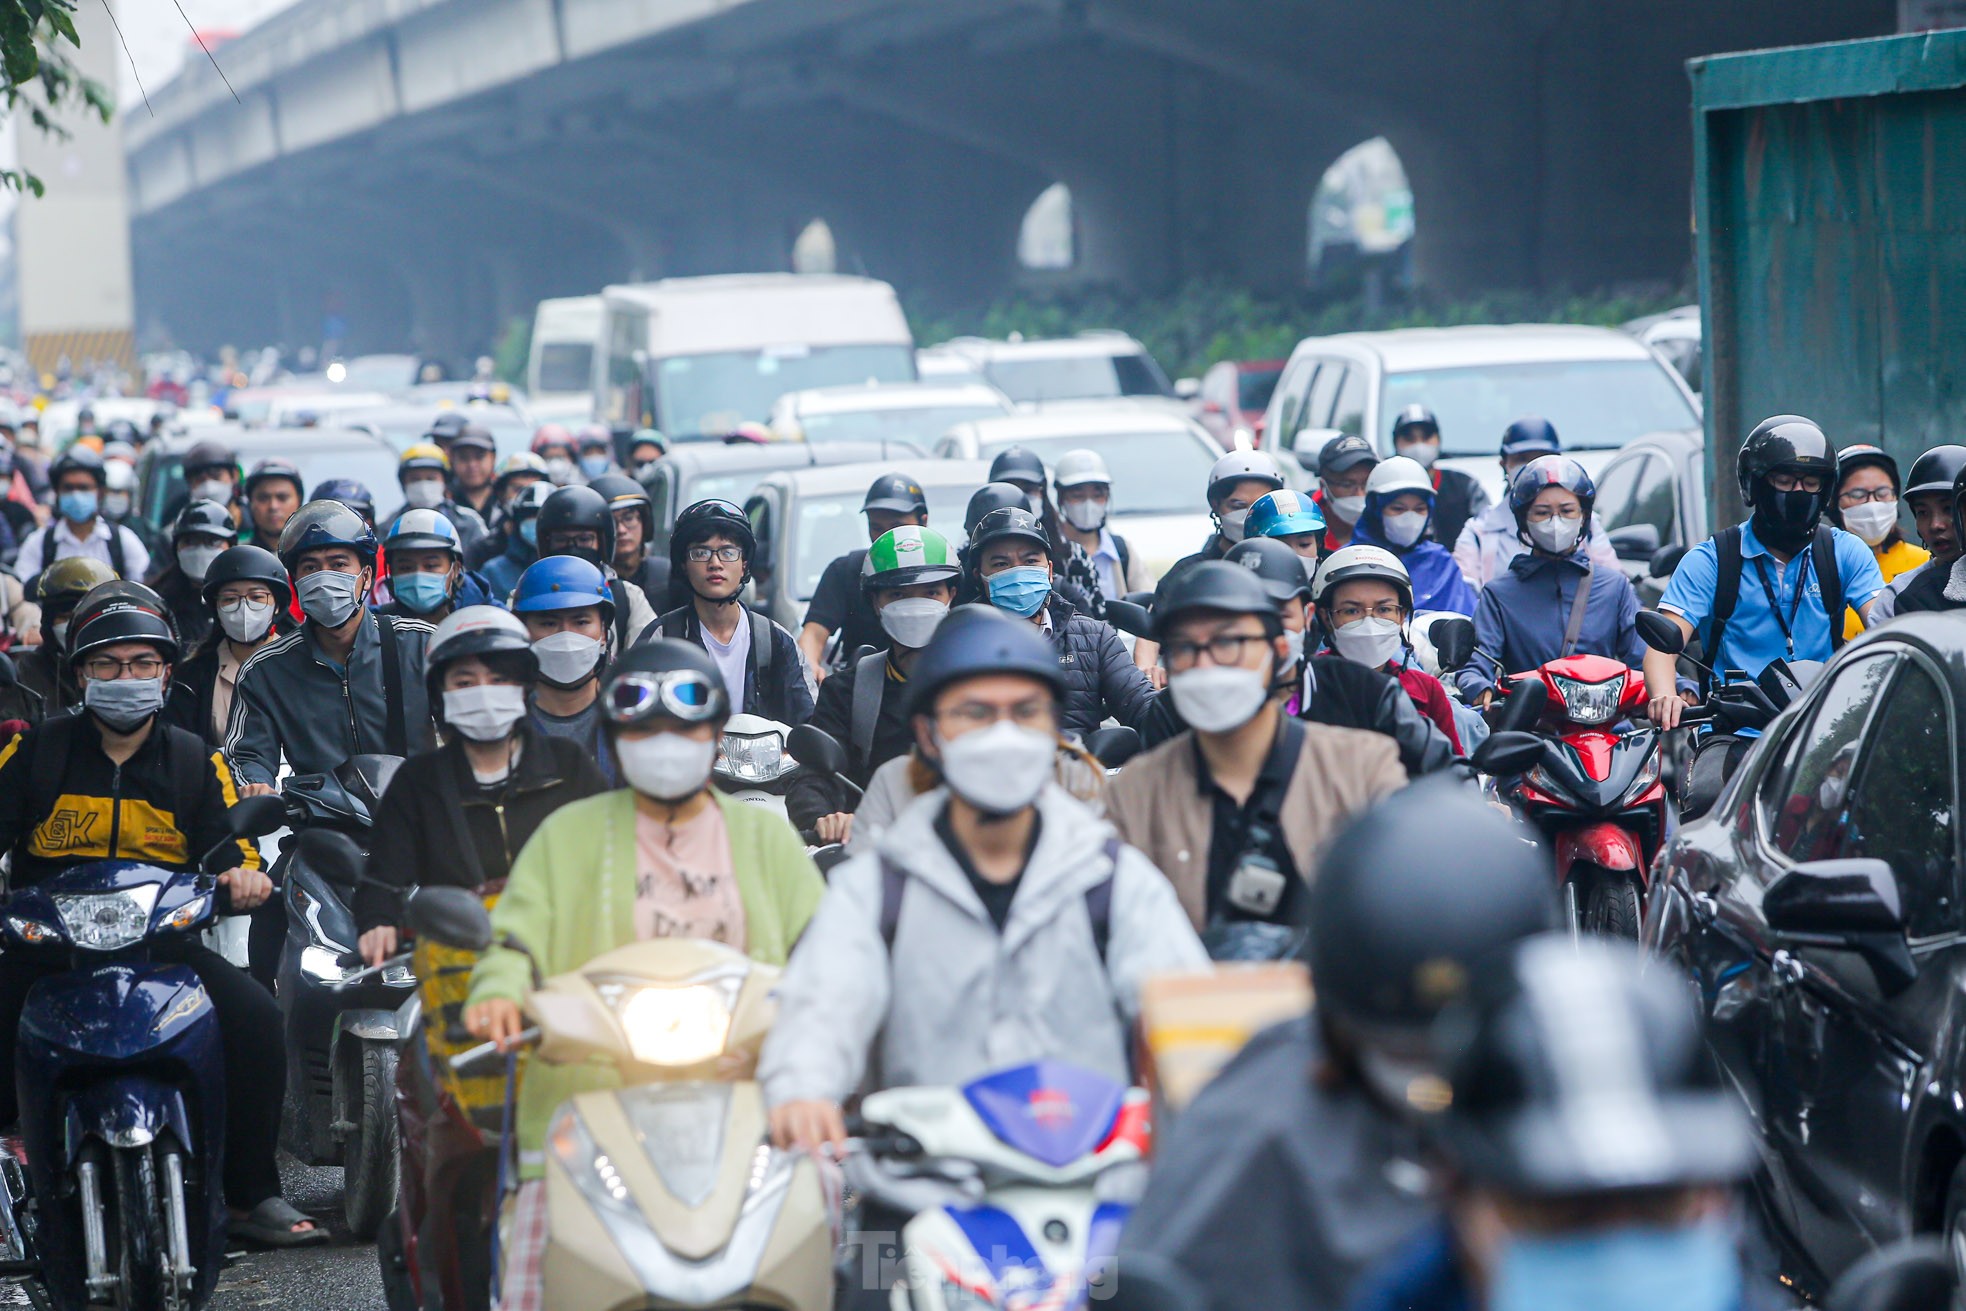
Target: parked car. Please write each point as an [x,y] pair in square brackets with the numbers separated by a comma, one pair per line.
[1234,394]
[1652,501]
[696,471]
[1818,914]
[1090,366]
[917,412]
[1676,335]
[1159,462]
[319,454]
[1600,387]
[807,518]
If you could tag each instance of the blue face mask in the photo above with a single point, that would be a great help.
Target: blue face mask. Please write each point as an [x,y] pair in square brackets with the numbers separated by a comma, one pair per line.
[1693,1268]
[529,533]
[593,465]
[76,507]
[1021,590]
[421,592]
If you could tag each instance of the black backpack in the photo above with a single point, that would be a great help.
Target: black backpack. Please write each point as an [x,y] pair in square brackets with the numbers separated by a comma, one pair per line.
[1727,588]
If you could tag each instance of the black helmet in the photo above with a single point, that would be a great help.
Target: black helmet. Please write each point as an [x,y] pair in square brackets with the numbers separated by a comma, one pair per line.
[1786,441]
[1017,462]
[1011,521]
[325,523]
[113,619]
[1411,894]
[445,427]
[980,639]
[1280,569]
[1346,452]
[664,678]
[1219,586]
[992,496]
[623,493]
[273,468]
[1852,458]
[704,520]
[1550,1037]
[209,455]
[1935,470]
[78,459]
[204,517]
[896,493]
[1415,415]
[249,564]
[118,590]
[578,509]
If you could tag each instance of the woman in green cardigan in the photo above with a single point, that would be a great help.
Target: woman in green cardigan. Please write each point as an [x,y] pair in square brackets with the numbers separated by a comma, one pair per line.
[668,856]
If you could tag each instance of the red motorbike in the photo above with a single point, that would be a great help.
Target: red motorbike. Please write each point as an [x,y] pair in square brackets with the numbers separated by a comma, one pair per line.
[1596,794]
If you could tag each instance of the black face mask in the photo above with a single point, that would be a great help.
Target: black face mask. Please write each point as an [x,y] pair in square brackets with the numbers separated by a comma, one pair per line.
[1786,520]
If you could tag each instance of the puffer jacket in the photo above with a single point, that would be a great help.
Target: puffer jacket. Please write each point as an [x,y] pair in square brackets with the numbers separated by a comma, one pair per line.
[1489,541]
[1100,677]
[1038,990]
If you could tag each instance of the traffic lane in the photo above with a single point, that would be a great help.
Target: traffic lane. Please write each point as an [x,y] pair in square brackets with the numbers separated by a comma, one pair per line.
[341,1276]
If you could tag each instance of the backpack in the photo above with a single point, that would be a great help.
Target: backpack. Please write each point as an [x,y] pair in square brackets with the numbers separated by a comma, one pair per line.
[677,623]
[1727,588]
[115,547]
[869,688]
[1098,900]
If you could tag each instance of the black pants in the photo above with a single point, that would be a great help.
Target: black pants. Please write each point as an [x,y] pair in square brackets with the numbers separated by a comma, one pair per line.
[266,938]
[869,1259]
[249,1035]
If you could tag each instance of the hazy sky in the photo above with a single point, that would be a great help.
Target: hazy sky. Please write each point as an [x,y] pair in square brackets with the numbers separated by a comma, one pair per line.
[160,40]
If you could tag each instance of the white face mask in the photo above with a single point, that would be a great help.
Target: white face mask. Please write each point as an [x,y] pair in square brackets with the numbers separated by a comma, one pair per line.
[999,769]
[116,505]
[1090,516]
[912,620]
[559,471]
[1368,642]
[197,560]
[1232,524]
[1348,508]
[424,493]
[666,766]
[1422,453]
[486,712]
[1213,699]
[567,659]
[213,489]
[1557,536]
[60,630]
[1404,529]
[1830,792]
[1871,521]
[1296,639]
[1036,501]
[245,621]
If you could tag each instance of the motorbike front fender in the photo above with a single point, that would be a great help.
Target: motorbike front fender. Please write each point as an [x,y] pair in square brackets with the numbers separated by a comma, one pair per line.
[1607,845]
[367,1025]
[132,1111]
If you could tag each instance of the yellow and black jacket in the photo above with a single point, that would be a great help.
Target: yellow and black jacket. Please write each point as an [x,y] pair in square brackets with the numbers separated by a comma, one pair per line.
[63,801]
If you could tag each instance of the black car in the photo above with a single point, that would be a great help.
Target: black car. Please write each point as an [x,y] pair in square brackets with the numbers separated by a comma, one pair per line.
[1817,910]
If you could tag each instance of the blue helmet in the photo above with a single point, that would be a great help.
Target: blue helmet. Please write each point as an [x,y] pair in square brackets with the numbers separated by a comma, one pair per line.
[562,582]
[422,530]
[1532,433]
[1550,471]
[1283,513]
[324,523]
[351,492]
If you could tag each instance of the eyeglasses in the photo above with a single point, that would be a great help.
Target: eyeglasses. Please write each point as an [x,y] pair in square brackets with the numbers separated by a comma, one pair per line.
[101,669]
[1544,513]
[1783,480]
[1858,495]
[1352,613]
[680,694]
[1223,649]
[726,554]
[966,716]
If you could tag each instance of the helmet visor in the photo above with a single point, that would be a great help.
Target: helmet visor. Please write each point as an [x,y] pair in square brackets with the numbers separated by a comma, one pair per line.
[680,694]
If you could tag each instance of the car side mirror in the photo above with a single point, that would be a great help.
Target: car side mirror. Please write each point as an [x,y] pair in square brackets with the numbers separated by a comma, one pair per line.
[1113,747]
[1665,560]
[1660,633]
[1129,618]
[255,817]
[1845,905]
[1454,641]
[1635,541]
[1188,388]
[450,915]
[1507,752]
[1309,443]
[1524,706]
[816,749]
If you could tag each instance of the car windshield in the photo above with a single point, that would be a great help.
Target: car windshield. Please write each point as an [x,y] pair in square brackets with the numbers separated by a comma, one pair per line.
[566,366]
[372,465]
[827,527]
[920,425]
[1253,386]
[1594,404]
[709,395]
[1153,472]
[1078,377]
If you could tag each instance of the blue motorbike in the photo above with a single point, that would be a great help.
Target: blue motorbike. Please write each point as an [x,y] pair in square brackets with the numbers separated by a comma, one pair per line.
[122,1090]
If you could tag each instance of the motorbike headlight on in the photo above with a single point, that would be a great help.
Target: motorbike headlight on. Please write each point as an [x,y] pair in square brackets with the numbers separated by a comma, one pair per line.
[107,921]
[754,758]
[1590,703]
[186,915]
[1648,774]
[321,964]
[674,1025]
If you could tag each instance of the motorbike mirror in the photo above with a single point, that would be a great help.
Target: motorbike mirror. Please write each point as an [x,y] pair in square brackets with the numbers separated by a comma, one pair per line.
[452,916]
[1130,618]
[9,676]
[334,856]
[817,748]
[255,817]
[828,858]
[1779,683]
[1113,747]
[1508,752]
[1664,561]
[1915,1274]
[1845,905]
[1454,641]
[1525,705]
[1660,633]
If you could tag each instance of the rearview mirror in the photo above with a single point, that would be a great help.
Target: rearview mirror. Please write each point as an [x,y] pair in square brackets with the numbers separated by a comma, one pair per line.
[1524,706]
[1454,641]
[452,916]
[255,817]
[334,856]
[1508,752]
[1309,443]
[1665,560]
[1660,633]
[1635,541]
[1113,747]
[817,749]
[1130,618]
[1845,905]
[1187,388]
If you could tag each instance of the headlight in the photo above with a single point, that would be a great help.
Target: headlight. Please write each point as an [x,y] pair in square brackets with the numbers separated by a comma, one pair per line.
[398,976]
[759,758]
[186,915]
[32,932]
[1648,774]
[1590,703]
[673,1025]
[107,921]
[321,964]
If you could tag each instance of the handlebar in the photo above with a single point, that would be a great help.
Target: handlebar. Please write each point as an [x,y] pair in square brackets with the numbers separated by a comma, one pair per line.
[402,958]
[485,1050]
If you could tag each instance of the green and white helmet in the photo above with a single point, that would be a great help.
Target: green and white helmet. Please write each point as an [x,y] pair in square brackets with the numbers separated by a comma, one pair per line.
[908,555]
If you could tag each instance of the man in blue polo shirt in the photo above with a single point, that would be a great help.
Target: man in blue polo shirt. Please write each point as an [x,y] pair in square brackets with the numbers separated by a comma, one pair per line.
[1762,583]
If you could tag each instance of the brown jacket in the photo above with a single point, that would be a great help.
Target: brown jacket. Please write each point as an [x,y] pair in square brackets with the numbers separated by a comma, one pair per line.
[1157,804]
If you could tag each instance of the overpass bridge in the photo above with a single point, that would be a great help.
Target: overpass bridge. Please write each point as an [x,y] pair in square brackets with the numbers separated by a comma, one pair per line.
[426,168]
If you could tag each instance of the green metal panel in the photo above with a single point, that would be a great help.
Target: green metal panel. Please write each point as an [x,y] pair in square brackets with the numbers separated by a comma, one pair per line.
[1831,209]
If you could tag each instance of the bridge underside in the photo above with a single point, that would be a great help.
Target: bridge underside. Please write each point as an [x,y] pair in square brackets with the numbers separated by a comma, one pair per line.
[1547,143]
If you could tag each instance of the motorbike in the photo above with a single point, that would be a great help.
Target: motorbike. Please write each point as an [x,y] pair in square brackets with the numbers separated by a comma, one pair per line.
[342,1022]
[1032,1169]
[118,1201]
[664,1191]
[753,763]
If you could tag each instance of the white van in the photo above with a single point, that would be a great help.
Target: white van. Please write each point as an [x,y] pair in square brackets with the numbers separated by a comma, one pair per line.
[566,338]
[695,357]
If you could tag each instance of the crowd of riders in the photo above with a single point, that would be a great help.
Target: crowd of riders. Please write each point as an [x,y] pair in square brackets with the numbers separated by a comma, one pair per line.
[1292,780]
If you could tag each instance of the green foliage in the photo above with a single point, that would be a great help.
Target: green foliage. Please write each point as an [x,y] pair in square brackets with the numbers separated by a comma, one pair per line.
[1203,322]
[514,350]
[40,78]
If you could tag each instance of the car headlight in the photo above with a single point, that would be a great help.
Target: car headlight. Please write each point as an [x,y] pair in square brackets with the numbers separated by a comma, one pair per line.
[1590,703]
[1648,774]
[675,1025]
[754,758]
[106,921]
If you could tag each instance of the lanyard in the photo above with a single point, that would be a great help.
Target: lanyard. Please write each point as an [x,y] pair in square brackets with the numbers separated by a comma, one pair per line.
[1774,603]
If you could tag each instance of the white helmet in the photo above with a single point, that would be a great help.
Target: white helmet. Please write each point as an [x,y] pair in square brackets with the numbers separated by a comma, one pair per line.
[1350,562]
[118,476]
[1243,466]
[478,630]
[1398,474]
[1076,468]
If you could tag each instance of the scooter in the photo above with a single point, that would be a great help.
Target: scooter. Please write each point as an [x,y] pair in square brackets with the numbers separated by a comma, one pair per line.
[665,1191]
[1027,1161]
[341,1018]
[753,763]
[122,1081]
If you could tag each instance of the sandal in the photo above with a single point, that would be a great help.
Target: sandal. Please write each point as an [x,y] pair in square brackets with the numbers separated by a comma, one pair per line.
[271,1224]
